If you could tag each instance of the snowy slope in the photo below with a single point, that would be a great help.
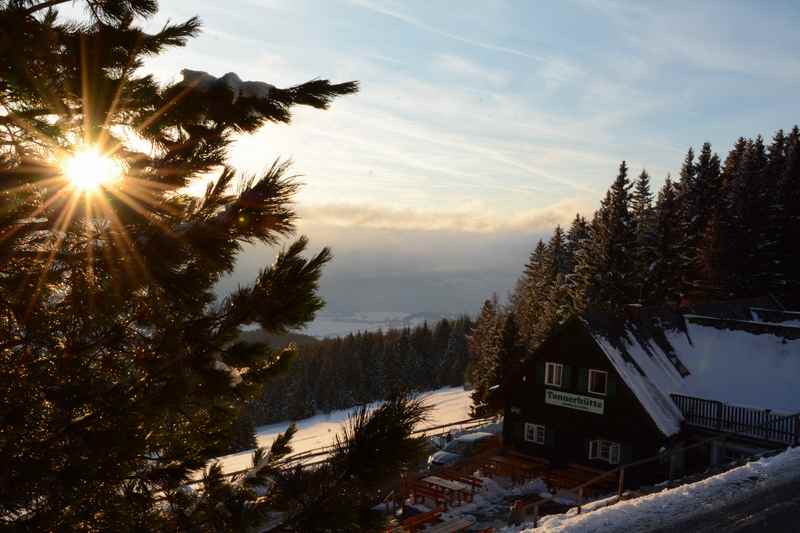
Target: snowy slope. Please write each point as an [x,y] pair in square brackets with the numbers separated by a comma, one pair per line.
[450,404]
[671,505]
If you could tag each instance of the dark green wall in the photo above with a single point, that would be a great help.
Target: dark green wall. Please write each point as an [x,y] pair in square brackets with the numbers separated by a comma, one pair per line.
[624,420]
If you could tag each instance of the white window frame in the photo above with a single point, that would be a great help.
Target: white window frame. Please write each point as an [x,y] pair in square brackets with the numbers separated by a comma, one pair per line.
[558,371]
[537,431]
[589,382]
[605,450]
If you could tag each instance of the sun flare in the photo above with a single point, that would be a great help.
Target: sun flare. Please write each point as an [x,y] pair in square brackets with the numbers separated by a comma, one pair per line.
[88,169]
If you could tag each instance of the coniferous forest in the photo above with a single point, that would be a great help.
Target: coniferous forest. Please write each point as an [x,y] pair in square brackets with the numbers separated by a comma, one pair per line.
[722,229]
[360,368]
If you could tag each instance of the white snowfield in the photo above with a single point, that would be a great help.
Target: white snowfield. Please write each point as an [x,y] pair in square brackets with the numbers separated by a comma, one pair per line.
[449,404]
[671,505]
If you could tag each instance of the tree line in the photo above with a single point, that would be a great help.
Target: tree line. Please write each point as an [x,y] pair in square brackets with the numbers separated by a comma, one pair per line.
[722,229]
[362,367]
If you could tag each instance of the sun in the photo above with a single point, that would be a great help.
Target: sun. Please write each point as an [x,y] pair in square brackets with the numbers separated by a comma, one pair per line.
[87,169]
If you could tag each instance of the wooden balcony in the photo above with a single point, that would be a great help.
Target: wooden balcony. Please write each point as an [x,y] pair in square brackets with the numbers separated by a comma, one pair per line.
[761,424]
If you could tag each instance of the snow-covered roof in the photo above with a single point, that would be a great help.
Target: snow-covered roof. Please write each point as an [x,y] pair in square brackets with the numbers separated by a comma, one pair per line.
[659,352]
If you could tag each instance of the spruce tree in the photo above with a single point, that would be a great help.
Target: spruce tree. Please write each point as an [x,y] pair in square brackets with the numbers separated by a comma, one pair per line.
[526,300]
[577,233]
[644,229]
[484,349]
[510,354]
[664,271]
[604,271]
[787,221]
[120,372]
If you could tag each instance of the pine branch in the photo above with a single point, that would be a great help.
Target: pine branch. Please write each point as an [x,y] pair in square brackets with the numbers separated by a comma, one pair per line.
[45,5]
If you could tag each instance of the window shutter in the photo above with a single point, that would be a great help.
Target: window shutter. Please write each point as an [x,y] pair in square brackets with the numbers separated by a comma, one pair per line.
[611,385]
[583,379]
[540,372]
[614,453]
[567,384]
[549,437]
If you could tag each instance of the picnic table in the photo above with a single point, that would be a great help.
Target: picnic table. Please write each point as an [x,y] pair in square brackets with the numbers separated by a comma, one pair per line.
[449,487]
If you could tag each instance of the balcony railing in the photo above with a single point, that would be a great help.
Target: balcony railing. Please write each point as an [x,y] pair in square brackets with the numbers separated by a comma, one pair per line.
[760,424]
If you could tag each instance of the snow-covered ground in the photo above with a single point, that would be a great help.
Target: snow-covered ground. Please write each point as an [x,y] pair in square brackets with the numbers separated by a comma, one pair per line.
[449,404]
[671,505]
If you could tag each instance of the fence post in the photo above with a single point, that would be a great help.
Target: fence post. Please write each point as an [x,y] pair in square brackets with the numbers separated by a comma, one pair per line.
[797,430]
[621,482]
[718,424]
[536,514]
[580,499]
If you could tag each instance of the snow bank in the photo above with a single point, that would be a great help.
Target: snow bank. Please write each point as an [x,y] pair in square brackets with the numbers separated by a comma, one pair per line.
[450,404]
[493,499]
[204,82]
[679,503]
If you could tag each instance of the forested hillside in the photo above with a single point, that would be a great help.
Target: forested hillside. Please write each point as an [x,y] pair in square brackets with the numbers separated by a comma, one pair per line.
[722,229]
[359,368]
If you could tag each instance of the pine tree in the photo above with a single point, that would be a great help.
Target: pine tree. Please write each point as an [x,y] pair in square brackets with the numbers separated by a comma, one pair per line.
[577,233]
[119,371]
[787,222]
[484,348]
[697,211]
[664,270]
[644,230]
[510,354]
[551,288]
[526,300]
[604,273]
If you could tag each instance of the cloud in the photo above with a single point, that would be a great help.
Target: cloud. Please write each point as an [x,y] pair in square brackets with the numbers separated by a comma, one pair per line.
[463,67]
[474,220]
[408,19]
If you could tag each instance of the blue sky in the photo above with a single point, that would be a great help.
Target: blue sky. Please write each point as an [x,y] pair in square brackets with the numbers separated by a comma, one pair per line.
[511,111]
[482,124]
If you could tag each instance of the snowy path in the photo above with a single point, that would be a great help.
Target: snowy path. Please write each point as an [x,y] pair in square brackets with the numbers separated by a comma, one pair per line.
[775,510]
[670,507]
[450,404]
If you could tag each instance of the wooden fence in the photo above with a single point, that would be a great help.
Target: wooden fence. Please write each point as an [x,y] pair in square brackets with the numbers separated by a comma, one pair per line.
[317,456]
[703,416]
[745,421]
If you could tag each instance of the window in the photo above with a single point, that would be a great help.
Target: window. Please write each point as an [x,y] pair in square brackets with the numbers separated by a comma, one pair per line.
[534,433]
[598,382]
[554,374]
[604,450]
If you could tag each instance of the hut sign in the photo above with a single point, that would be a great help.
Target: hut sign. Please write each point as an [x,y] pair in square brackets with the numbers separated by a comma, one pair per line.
[574,401]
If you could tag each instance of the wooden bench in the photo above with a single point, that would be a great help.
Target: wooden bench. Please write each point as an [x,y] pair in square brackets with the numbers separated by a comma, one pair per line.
[456,491]
[413,523]
[420,492]
[474,482]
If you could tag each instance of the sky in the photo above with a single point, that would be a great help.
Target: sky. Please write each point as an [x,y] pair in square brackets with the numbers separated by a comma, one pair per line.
[481,125]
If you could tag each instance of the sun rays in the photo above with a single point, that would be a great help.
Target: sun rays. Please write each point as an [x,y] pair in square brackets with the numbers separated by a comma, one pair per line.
[87,169]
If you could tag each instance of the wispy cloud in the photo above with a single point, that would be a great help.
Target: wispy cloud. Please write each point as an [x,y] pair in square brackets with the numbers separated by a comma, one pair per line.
[466,221]
[463,67]
[408,19]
